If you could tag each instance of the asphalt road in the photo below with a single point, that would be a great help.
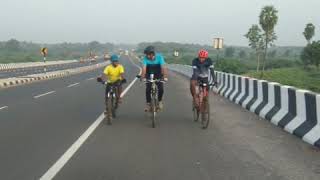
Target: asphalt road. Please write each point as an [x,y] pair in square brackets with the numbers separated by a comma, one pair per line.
[20,72]
[37,132]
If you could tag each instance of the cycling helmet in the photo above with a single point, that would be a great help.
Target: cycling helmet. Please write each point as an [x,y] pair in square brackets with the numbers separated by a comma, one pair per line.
[149,50]
[114,58]
[203,53]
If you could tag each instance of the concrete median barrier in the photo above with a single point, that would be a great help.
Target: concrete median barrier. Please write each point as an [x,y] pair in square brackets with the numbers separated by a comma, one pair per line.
[9,82]
[294,110]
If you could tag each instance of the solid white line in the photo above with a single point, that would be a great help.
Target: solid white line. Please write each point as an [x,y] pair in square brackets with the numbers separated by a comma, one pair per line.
[4,107]
[51,173]
[44,94]
[90,79]
[73,84]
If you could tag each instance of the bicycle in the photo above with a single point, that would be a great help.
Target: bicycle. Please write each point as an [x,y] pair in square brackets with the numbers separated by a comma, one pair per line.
[111,100]
[154,108]
[203,109]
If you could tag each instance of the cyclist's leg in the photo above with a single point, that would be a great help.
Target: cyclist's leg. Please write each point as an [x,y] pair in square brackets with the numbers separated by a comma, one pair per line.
[160,91]
[106,94]
[193,86]
[107,90]
[148,92]
[119,92]
[148,96]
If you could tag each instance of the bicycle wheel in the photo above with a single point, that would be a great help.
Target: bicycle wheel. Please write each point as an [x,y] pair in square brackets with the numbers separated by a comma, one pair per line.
[153,111]
[205,115]
[109,111]
[195,112]
[114,106]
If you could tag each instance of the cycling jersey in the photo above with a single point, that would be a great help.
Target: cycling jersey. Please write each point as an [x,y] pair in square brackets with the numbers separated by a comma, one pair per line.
[202,70]
[154,66]
[113,73]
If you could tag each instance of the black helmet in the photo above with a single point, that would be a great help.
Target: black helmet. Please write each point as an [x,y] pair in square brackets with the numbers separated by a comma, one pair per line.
[149,50]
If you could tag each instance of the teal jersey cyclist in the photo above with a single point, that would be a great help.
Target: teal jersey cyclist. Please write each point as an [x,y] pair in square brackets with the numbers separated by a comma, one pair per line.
[154,63]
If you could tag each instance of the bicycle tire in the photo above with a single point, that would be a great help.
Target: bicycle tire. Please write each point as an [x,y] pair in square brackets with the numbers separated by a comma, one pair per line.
[205,116]
[113,107]
[109,110]
[153,111]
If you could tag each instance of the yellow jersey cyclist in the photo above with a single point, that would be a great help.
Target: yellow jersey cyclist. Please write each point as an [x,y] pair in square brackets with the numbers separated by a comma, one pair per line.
[113,74]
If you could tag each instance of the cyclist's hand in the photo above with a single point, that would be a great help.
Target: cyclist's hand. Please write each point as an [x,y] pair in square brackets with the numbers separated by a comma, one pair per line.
[99,79]
[123,81]
[165,79]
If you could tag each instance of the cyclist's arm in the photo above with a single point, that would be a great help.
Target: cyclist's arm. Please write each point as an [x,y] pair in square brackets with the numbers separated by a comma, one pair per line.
[164,69]
[195,70]
[144,68]
[143,72]
[122,72]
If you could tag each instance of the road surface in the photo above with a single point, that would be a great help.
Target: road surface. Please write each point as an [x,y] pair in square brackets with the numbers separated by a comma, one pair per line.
[42,121]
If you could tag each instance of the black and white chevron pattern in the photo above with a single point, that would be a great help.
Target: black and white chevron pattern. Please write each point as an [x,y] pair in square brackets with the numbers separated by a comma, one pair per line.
[296,111]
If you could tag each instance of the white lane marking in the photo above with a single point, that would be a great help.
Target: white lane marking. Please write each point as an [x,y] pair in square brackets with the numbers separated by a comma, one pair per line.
[90,79]
[44,94]
[4,107]
[52,172]
[71,85]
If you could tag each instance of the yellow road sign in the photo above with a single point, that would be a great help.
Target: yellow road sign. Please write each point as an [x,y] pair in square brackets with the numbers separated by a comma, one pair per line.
[44,51]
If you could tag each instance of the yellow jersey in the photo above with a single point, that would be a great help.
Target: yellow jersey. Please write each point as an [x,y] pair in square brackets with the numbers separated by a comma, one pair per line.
[113,73]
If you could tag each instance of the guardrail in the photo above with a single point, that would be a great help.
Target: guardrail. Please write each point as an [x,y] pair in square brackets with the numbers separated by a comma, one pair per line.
[10,66]
[294,110]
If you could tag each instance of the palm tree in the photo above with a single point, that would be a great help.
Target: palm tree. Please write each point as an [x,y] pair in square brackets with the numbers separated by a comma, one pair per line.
[309,32]
[268,20]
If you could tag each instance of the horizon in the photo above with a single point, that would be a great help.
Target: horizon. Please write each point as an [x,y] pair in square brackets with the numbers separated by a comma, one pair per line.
[130,22]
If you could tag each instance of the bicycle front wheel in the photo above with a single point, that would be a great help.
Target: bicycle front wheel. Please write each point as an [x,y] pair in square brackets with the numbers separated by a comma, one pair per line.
[109,110]
[205,114]
[114,107]
[153,112]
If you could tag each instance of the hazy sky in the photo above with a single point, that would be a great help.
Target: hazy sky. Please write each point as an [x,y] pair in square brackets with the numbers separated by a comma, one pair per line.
[133,21]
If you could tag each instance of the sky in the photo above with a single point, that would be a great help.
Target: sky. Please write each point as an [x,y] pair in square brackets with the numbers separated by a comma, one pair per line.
[134,21]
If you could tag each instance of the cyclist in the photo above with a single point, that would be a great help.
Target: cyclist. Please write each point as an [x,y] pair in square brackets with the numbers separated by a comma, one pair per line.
[203,70]
[114,75]
[153,63]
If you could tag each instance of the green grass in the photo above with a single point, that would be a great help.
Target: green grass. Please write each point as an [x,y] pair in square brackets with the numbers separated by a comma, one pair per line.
[297,77]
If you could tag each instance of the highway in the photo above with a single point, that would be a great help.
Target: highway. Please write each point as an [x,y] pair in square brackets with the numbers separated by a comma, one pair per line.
[54,129]
[20,72]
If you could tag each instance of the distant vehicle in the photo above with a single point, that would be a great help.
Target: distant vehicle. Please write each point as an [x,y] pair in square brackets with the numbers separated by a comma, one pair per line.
[127,53]
[176,53]
[106,57]
[92,59]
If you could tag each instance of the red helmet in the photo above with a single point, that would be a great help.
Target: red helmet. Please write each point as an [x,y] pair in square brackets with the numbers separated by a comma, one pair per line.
[203,54]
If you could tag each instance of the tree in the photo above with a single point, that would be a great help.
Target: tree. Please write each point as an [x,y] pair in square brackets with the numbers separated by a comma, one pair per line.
[309,32]
[311,54]
[255,42]
[268,20]
[242,54]
[12,45]
[229,52]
